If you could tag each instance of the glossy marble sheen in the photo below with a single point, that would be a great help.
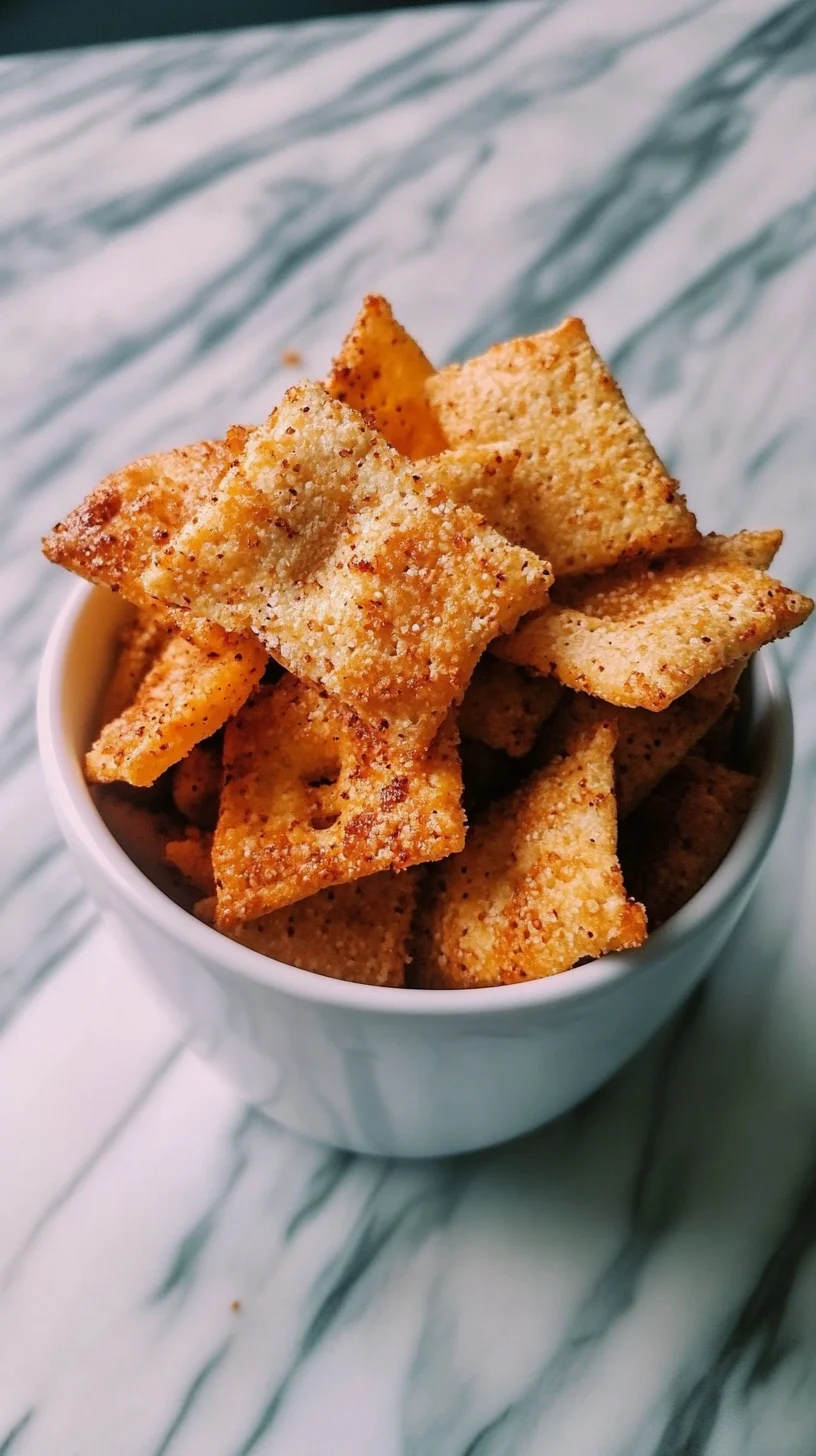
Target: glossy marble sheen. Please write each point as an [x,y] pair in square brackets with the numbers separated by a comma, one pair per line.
[177,1275]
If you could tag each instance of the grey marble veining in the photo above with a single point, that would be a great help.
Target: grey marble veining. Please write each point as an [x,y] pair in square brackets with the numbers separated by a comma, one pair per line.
[640,1278]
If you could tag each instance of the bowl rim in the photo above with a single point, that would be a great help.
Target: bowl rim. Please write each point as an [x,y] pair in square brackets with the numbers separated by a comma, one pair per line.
[82,824]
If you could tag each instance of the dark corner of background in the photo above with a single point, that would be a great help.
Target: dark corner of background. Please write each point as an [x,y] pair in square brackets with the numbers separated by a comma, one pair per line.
[37,25]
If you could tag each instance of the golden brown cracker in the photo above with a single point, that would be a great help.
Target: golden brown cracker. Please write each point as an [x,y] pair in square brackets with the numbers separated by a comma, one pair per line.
[351,932]
[313,797]
[649,632]
[678,837]
[596,491]
[184,697]
[140,642]
[538,885]
[111,536]
[359,574]
[505,708]
[381,371]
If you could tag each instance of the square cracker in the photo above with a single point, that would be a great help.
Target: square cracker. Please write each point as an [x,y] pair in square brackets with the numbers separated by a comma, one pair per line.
[538,885]
[352,932]
[505,708]
[359,574]
[595,491]
[184,696]
[312,797]
[678,837]
[110,538]
[381,371]
[645,633]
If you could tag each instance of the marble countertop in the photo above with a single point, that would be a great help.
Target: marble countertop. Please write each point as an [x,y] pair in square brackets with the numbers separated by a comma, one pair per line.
[176,1274]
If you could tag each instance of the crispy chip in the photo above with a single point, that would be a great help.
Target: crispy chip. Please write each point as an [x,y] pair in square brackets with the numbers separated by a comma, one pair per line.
[594,490]
[650,745]
[381,372]
[197,784]
[140,642]
[505,708]
[352,932]
[644,634]
[538,885]
[313,797]
[185,696]
[357,575]
[677,838]
[192,857]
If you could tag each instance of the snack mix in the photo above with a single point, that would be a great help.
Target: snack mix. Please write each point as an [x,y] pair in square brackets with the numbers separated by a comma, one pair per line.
[406,592]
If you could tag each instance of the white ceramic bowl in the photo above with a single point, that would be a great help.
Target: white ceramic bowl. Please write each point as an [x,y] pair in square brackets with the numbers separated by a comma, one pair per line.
[399,1072]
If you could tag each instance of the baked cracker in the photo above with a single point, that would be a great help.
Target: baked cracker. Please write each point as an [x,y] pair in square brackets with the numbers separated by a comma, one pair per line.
[381,371]
[111,536]
[313,797]
[595,491]
[646,633]
[538,885]
[186,694]
[358,573]
[352,932]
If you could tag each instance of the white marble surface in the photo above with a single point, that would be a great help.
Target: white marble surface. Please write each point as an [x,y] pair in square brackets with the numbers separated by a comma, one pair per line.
[639,1279]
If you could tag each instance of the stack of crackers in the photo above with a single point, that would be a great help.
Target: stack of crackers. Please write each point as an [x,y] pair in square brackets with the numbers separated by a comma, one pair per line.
[411,591]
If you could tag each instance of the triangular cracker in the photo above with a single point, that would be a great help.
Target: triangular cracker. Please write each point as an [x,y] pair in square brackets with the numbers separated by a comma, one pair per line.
[538,885]
[381,372]
[594,491]
[313,797]
[359,574]
[646,633]
[110,538]
[186,694]
[675,841]
[353,932]
[505,708]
